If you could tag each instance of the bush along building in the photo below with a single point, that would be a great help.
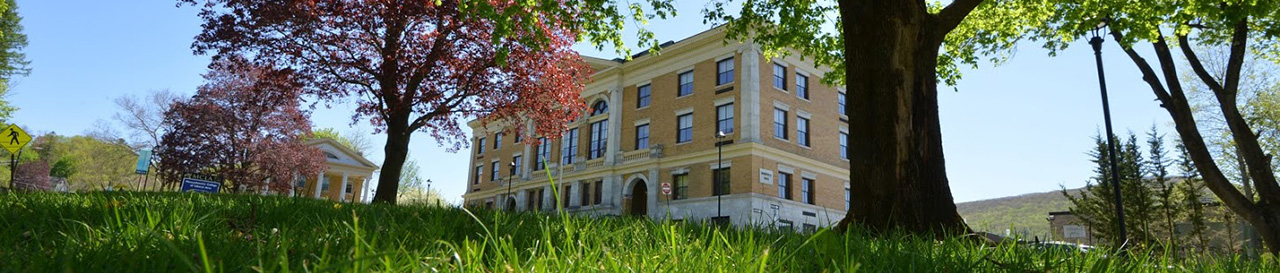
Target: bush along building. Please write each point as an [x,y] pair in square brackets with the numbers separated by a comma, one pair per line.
[657,119]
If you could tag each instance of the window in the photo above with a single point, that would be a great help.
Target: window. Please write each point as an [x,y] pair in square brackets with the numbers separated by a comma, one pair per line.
[599,191]
[681,190]
[518,138]
[686,84]
[809,228]
[684,125]
[806,191]
[846,198]
[348,189]
[600,107]
[724,71]
[585,194]
[802,86]
[488,204]
[784,185]
[642,136]
[519,164]
[724,118]
[780,76]
[540,154]
[642,96]
[324,185]
[564,196]
[721,178]
[479,172]
[779,123]
[538,201]
[480,146]
[840,101]
[598,139]
[493,174]
[569,146]
[497,141]
[802,131]
[844,146]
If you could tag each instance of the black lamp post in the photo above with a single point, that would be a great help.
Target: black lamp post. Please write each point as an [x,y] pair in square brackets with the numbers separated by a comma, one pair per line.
[510,205]
[1096,42]
[429,192]
[715,179]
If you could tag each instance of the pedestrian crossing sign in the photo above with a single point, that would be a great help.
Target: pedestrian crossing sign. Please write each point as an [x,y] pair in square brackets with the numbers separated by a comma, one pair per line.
[14,138]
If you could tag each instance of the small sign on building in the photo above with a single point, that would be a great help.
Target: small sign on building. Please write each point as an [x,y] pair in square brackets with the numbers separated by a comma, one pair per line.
[766,176]
[1074,231]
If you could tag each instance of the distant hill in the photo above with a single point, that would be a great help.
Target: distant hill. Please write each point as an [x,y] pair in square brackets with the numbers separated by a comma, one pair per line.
[1024,213]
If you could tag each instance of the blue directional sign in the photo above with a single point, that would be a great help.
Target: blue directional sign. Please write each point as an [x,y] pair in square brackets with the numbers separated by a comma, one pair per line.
[144,161]
[197,185]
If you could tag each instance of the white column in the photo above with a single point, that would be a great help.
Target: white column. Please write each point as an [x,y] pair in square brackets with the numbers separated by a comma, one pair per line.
[656,211]
[613,143]
[319,181]
[750,107]
[342,191]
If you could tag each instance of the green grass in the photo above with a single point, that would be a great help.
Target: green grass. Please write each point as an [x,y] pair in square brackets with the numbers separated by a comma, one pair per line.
[168,232]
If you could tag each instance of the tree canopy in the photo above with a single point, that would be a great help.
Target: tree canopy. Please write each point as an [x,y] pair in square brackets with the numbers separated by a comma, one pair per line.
[245,125]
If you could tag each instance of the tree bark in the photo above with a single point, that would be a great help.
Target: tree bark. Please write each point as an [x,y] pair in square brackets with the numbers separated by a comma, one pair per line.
[396,150]
[896,168]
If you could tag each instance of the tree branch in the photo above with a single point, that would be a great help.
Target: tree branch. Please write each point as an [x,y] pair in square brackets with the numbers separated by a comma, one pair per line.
[1185,124]
[953,14]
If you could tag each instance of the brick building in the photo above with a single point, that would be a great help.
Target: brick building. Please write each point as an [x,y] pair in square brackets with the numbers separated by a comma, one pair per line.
[655,119]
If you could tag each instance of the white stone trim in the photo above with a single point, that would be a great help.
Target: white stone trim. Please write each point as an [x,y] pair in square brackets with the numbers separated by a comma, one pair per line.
[844,129]
[725,56]
[686,110]
[780,105]
[679,171]
[724,100]
[717,166]
[809,175]
[786,169]
[803,114]
[646,82]
[642,121]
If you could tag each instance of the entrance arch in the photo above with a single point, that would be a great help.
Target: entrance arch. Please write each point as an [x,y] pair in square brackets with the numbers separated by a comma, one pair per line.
[511,204]
[639,199]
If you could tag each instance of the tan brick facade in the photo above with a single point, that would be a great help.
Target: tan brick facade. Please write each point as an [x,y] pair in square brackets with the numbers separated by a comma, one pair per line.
[625,178]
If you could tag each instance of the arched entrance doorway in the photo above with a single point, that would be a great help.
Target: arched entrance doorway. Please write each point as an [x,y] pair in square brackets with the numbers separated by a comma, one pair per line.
[639,199]
[511,204]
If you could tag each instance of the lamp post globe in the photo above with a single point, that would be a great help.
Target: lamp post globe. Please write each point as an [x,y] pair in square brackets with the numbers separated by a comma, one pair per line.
[715,181]
[511,205]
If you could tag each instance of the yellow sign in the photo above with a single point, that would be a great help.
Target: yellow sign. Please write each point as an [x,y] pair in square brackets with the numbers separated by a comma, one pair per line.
[13,138]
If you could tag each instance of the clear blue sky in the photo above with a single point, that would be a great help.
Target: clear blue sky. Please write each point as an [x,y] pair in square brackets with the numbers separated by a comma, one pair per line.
[1022,127]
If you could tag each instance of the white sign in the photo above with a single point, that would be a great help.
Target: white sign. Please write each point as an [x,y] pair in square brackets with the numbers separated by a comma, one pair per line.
[766,176]
[666,188]
[1074,231]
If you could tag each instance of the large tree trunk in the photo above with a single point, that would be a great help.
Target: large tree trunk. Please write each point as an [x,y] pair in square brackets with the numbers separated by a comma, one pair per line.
[897,173]
[396,149]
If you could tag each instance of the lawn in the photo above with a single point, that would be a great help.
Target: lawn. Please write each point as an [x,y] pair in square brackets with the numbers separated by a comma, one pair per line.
[170,232]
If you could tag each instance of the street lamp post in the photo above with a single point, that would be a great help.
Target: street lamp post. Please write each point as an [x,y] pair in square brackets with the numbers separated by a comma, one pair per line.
[429,192]
[510,205]
[715,179]
[1096,42]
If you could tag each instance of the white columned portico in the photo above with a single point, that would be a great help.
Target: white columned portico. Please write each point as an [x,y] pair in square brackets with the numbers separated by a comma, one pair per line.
[319,182]
[342,191]
[750,92]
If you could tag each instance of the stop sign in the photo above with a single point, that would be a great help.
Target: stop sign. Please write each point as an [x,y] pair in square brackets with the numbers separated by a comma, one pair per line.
[666,188]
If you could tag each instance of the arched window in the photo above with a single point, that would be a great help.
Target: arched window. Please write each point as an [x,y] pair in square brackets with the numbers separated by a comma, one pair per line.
[600,107]
[330,155]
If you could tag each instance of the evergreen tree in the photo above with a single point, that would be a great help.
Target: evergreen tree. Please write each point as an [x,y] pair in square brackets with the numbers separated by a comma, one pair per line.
[1139,202]
[1192,191]
[1095,204]
[1157,166]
